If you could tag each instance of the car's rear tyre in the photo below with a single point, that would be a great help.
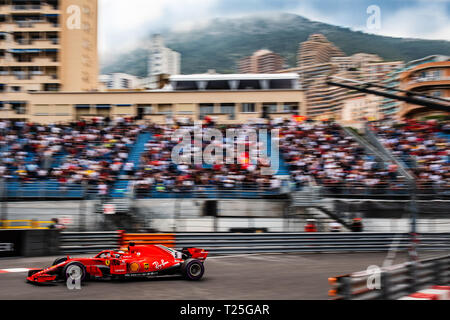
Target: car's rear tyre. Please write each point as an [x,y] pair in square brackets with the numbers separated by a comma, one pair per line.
[59,260]
[75,270]
[193,269]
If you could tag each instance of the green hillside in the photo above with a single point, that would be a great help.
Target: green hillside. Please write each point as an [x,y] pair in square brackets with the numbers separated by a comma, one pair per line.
[224,41]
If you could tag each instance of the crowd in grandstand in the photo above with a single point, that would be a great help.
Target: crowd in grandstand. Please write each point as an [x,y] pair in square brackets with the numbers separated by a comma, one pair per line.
[158,170]
[97,152]
[423,146]
[92,151]
[330,157]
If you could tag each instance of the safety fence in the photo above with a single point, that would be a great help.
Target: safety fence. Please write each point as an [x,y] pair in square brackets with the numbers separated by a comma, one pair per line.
[389,191]
[235,243]
[391,283]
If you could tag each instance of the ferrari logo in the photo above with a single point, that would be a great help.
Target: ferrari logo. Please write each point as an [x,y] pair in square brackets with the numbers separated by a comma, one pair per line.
[146,266]
[107,262]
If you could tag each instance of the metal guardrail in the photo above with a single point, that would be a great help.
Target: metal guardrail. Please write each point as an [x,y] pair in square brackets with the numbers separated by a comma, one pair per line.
[393,282]
[347,189]
[89,242]
[234,243]
[231,243]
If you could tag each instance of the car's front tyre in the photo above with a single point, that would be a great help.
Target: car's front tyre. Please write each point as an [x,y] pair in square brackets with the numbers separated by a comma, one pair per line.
[74,270]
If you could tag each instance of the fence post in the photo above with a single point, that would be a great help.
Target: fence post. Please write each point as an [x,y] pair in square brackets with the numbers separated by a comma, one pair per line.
[439,270]
[346,288]
[412,273]
[385,286]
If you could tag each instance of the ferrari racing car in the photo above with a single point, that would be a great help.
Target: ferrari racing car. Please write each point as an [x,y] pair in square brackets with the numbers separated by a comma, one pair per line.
[134,261]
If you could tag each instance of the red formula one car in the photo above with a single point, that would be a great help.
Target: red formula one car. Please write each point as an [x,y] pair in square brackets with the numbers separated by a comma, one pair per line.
[135,261]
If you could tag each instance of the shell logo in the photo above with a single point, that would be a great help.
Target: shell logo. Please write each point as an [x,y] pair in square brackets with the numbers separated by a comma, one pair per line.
[134,267]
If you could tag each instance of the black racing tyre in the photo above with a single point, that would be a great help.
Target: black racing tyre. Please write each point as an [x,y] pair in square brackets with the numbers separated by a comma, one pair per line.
[76,269]
[59,260]
[193,269]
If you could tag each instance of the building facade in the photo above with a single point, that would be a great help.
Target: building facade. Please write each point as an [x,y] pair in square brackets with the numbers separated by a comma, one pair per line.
[119,81]
[431,78]
[162,61]
[356,111]
[262,61]
[317,50]
[46,45]
[226,98]
[428,75]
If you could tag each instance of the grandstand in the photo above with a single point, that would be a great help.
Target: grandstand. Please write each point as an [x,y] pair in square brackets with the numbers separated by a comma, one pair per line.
[86,159]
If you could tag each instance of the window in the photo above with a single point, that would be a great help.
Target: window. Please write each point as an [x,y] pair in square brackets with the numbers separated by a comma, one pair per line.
[228,108]
[290,107]
[206,109]
[165,109]
[271,107]
[126,83]
[248,107]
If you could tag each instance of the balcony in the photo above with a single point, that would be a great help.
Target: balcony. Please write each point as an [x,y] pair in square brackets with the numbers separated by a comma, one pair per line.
[426,82]
[31,26]
[29,8]
[36,62]
[30,78]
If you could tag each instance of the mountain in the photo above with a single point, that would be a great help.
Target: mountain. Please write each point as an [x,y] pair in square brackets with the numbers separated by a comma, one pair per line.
[221,42]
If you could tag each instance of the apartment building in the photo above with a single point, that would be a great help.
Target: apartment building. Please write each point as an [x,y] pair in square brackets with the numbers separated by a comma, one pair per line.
[357,110]
[430,77]
[46,45]
[162,61]
[317,50]
[119,81]
[262,61]
[319,59]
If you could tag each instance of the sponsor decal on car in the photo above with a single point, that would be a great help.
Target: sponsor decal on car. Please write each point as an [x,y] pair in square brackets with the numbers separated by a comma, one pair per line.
[158,265]
[145,274]
[134,267]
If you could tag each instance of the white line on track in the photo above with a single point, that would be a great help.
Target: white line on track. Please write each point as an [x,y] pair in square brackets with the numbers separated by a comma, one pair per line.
[15,270]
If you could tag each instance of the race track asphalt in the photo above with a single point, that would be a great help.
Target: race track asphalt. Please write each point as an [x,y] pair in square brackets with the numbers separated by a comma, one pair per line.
[259,277]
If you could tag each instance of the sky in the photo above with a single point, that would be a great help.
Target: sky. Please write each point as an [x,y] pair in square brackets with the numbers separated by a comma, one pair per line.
[128,22]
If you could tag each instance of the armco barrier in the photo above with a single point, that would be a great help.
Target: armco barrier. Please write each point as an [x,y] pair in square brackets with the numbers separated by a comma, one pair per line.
[231,243]
[393,282]
[89,242]
[227,243]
